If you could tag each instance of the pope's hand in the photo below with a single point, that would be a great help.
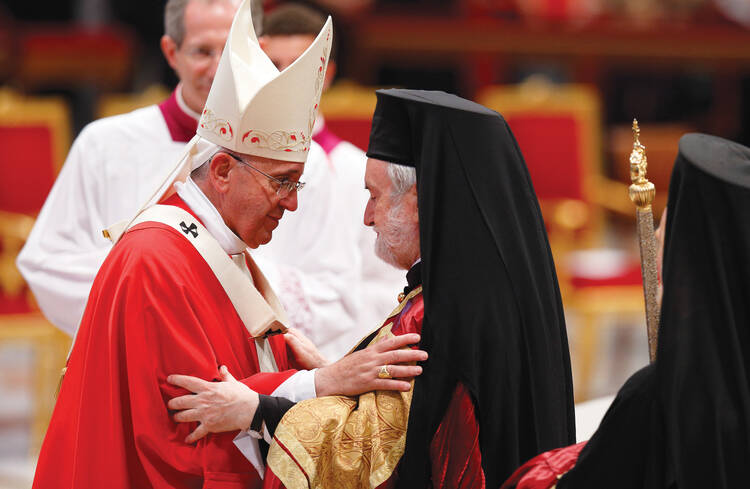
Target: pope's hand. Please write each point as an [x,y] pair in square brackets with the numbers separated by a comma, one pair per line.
[305,352]
[228,405]
[358,372]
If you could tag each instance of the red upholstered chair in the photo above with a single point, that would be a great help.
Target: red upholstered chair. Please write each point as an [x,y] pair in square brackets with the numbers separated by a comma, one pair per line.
[348,108]
[34,135]
[558,129]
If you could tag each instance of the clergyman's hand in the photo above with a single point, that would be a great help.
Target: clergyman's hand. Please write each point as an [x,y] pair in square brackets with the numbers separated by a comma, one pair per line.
[228,405]
[358,372]
[305,352]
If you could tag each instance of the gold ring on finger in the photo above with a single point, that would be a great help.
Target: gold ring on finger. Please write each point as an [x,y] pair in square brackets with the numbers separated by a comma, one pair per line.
[383,373]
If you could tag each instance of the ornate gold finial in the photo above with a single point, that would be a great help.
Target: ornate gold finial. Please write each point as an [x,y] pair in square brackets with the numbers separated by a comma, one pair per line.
[642,191]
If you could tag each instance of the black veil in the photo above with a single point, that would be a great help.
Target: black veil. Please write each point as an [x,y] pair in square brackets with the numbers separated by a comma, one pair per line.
[493,316]
[685,420]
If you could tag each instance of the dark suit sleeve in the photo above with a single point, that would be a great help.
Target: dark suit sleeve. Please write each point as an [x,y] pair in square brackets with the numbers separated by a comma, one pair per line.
[270,410]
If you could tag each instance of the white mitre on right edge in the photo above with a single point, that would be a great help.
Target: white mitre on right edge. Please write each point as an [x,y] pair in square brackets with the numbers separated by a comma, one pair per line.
[255,109]
[252,108]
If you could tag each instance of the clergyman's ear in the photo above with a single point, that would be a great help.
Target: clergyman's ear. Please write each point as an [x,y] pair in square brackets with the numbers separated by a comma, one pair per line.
[218,171]
[169,49]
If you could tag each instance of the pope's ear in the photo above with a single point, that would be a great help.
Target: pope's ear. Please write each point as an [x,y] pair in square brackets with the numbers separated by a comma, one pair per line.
[218,171]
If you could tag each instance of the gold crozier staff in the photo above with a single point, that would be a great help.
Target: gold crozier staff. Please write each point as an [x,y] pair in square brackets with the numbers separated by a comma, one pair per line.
[642,194]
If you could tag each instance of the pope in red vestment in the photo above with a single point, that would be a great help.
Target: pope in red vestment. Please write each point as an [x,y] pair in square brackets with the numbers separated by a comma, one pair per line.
[155,308]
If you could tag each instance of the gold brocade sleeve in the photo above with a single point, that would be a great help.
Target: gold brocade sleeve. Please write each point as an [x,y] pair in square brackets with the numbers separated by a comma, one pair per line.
[339,441]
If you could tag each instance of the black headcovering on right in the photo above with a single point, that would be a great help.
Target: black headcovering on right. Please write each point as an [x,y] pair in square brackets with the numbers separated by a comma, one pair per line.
[684,421]
[493,317]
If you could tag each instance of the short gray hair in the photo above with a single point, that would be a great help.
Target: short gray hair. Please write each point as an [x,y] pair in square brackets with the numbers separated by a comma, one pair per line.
[174,17]
[200,172]
[402,178]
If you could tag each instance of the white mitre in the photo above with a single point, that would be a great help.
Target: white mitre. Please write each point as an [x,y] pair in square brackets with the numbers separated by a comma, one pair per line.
[253,108]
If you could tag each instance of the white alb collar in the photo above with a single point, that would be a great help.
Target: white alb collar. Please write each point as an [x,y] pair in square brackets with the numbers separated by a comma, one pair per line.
[209,216]
[183,106]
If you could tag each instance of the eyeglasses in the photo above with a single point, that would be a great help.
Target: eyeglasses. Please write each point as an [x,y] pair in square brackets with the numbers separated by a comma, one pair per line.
[202,54]
[284,187]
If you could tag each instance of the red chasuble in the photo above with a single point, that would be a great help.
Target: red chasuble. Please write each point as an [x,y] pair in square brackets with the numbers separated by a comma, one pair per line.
[155,309]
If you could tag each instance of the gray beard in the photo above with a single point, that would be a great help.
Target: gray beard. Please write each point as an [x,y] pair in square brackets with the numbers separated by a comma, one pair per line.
[383,251]
[395,235]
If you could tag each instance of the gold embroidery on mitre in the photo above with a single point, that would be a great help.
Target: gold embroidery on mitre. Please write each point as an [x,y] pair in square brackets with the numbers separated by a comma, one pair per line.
[339,441]
[277,140]
[220,127]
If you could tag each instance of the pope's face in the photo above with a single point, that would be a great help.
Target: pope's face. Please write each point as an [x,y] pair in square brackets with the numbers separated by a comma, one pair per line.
[195,60]
[393,218]
[251,206]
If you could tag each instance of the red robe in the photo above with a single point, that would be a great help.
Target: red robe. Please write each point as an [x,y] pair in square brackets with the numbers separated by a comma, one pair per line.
[456,461]
[155,309]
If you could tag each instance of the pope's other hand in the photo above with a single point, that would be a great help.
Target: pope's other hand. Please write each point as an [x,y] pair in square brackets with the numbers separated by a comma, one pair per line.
[228,405]
[305,352]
